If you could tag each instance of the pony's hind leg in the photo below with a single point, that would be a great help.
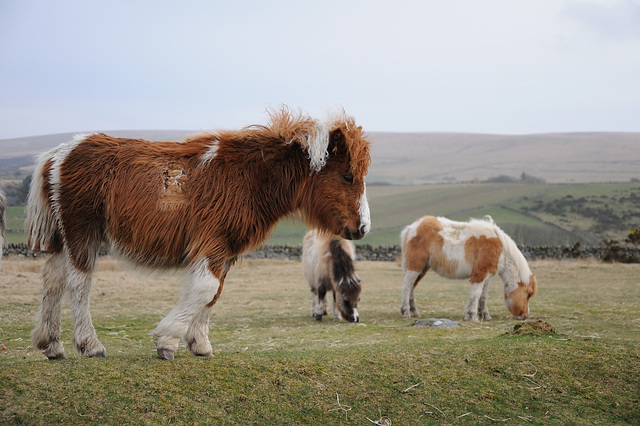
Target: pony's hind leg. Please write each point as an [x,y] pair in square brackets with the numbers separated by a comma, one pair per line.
[190,317]
[85,339]
[408,307]
[319,299]
[46,334]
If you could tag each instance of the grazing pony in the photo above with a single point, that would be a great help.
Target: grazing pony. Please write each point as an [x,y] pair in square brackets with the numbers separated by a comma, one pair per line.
[2,221]
[477,250]
[328,265]
[197,204]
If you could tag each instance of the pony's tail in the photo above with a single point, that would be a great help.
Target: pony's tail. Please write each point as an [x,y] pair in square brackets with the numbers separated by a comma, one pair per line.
[344,271]
[43,233]
[403,246]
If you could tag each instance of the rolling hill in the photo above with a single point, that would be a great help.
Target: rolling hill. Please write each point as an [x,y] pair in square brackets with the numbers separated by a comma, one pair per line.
[416,158]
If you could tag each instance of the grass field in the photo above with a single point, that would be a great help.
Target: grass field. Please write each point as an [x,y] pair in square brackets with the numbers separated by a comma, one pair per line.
[533,214]
[274,364]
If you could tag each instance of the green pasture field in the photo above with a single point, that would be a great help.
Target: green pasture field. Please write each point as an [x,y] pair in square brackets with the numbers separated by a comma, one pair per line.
[274,364]
[512,206]
[533,214]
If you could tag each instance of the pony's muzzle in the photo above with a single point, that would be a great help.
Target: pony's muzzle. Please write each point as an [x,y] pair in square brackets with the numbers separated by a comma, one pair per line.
[356,235]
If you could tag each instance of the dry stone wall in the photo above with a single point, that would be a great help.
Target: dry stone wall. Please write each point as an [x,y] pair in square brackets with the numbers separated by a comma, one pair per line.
[390,253]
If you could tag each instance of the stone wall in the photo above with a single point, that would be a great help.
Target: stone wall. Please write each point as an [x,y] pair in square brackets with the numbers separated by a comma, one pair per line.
[390,253]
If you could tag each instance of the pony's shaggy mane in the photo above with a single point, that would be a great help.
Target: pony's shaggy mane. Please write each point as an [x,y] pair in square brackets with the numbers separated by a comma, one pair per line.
[294,127]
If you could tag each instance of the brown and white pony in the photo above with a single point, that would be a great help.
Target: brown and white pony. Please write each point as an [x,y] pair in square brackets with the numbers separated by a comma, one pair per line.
[477,250]
[328,264]
[197,204]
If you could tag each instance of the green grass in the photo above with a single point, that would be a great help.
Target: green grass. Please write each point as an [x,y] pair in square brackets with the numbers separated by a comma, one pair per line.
[274,364]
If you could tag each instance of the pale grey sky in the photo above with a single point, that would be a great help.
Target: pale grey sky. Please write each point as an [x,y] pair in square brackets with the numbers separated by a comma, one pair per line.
[498,66]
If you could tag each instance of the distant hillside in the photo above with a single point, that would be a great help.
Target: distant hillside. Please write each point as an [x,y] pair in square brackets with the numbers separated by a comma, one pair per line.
[455,157]
[415,158]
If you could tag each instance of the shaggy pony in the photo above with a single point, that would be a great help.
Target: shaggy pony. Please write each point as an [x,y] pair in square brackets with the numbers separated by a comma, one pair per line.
[197,204]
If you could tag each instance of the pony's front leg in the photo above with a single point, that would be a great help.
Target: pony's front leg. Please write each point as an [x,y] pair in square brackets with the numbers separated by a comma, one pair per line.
[483,309]
[190,317]
[471,312]
[409,284]
[85,338]
[197,337]
[46,334]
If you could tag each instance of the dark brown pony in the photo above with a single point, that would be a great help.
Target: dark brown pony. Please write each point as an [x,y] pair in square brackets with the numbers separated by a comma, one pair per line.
[328,265]
[2,221]
[198,204]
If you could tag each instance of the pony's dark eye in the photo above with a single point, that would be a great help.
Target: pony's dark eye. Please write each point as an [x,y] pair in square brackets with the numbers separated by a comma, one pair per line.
[348,178]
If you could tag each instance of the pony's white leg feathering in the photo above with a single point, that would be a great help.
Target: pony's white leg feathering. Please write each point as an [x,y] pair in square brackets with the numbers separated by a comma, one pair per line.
[46,335]
[84,334]
[408,307]
[197,337]
[190,317]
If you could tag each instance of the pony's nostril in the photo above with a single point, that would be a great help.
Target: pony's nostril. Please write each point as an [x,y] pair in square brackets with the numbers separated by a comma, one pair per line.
[363,229]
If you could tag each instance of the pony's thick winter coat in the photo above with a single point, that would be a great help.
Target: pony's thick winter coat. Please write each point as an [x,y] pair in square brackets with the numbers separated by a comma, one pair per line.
[477,250]
[198,204]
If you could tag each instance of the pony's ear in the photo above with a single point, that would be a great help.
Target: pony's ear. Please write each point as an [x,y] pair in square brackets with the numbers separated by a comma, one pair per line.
[337,143]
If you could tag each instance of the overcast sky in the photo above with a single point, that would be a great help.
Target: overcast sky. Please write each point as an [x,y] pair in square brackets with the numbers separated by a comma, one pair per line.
[494,66]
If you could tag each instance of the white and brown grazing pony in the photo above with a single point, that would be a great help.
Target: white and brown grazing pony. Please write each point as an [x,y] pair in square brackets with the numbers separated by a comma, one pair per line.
[328,264]
[477,250]
[197,204]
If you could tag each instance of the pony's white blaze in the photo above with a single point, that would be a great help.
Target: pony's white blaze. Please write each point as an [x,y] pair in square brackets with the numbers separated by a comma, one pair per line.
[365,214]
[477,250]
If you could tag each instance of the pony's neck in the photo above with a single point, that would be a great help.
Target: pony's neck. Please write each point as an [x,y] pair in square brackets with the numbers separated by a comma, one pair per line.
[272,188]
[511,270]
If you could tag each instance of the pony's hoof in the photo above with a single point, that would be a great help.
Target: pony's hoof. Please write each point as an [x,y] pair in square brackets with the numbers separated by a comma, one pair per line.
[318,317]
[165,354]
[56,357]
[207,355]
